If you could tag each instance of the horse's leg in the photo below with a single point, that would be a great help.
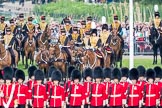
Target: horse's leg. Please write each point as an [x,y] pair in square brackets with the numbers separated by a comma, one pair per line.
[22,54]
[154,54]
[26,58]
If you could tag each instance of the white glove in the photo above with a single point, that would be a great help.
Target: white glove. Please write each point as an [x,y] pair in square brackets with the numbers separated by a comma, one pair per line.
[124,101]
[104,102]
[1,94]
[60,46]
[30,101]
[157,102]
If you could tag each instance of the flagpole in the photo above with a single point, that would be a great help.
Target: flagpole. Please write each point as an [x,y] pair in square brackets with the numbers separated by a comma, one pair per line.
[131,41]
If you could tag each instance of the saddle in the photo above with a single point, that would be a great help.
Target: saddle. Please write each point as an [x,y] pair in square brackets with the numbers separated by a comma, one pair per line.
[98,53]
[108,49]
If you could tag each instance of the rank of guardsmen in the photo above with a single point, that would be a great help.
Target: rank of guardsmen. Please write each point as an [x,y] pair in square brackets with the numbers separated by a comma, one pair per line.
[94,88]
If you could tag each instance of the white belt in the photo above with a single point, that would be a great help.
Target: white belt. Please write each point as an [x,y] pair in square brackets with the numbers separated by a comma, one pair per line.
[76,95]
[134,95]
[150,95]
[55,96]
[20,94]
[96,95]
[116,95]
[38,96]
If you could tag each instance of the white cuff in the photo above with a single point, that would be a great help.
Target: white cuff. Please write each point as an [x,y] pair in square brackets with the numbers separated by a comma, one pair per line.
[124,101]
[62,103]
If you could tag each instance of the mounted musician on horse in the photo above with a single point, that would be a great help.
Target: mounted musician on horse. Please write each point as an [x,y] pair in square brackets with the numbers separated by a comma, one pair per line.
[155,37]
[8,56]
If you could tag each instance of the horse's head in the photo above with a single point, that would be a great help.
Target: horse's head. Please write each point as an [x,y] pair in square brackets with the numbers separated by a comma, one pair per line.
[115,31]
[71,44]
[30,37]
[54,49]
[2,48]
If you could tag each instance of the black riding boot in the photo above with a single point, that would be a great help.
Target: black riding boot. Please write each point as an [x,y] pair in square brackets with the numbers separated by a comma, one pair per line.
[122,43]
[12,56]
[68,55]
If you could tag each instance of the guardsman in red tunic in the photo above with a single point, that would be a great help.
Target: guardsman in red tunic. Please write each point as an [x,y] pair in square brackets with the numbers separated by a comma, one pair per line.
[134,92]
[151,92]
[107,82]
[49,82]
[1,88]
[157,82]
[21,90]
[141,80]
[39,95]
[98,89]
[116,93]
[76,91]
[56,96]
[123,82]
[87,75]
[9,88]
[67,84]
[30,82]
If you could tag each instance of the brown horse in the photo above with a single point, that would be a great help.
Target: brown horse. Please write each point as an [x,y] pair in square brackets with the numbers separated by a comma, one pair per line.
[5,57]
[115,44]
[44,37]
[42,59]
[58,58]
[91,59]
[29,48]
[108,58]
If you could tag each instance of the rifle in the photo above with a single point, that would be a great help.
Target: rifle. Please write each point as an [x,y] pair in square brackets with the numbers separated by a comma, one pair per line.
[69,93]
[110,91]
[144,97]
[128,93]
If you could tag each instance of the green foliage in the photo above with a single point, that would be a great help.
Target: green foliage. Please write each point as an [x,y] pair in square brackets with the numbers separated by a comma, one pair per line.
[80,10]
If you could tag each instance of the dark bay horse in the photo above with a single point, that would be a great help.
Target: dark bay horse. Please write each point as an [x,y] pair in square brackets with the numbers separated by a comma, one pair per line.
[29,48]
[115,44]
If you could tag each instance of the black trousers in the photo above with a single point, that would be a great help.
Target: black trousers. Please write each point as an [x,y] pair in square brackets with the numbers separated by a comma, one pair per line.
[86,106]
[133,107]
[74,106]
[12,55]
[116,107]
[55,107]
[21,106]
[96,107]
[150,107]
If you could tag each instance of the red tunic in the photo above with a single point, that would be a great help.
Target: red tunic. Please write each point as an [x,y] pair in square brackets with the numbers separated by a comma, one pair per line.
[87,89]
[21,93]
[66,89]
[134,95]
[30,85]
[7,93]
[39,95]
[116,95]
[125,86]
[159,84]
[57,96]
[1,91]
[98,94]
[152,93]
[76,95]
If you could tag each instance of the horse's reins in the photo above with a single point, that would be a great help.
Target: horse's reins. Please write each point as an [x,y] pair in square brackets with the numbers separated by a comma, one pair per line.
[43,59]
[42,41]
[4,56]
[59,55]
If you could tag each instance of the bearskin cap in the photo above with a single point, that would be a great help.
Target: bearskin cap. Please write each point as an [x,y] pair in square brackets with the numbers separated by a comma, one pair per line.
[31,70]
[124,72]
[56,75]
[39,74]
[51,70]
[158,72]
[150,74]
[20,75]
[133,74]
[70,69]
[116,74]
[107,72]
[87,73]
[98,72]
[8,73]
[141,69]
[76,74]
